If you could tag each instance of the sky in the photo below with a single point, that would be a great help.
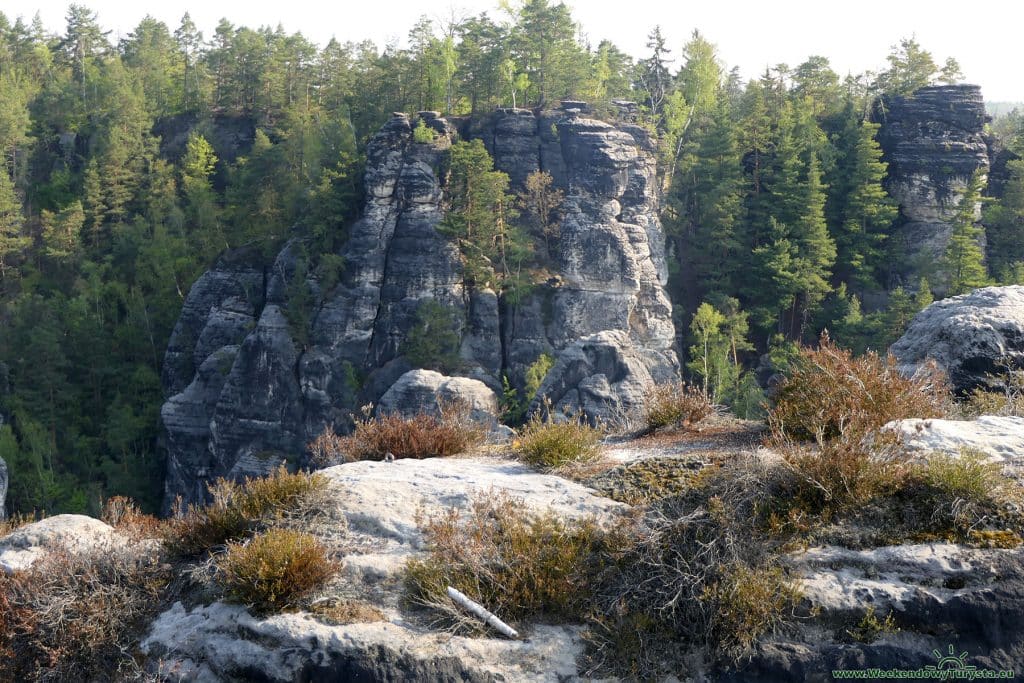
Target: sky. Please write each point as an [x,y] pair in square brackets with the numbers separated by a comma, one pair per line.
[856,35]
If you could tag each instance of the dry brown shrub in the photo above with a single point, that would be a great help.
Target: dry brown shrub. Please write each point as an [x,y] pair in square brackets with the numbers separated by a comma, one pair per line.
[675,404]
[275,569]
[849,470]
[124,515]
[344,612]
[699,581]
[328,449]
[14,522]
[829,392]
[77,616]
[515,563]
[424,435]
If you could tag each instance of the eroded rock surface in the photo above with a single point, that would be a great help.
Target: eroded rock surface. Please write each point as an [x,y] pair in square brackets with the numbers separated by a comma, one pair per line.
[246,388]
[940,595]
[28,544]
[934,141]
[223,643]
[971,336]
[382,500]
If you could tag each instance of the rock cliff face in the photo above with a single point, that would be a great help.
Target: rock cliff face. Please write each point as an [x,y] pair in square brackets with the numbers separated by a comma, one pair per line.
[934,142]
[245,393]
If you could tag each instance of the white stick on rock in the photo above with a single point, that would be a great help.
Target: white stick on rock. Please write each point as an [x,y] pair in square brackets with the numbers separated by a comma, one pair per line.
[481,613]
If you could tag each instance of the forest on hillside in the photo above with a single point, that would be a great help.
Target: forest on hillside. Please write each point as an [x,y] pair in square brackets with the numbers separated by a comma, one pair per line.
[129,167]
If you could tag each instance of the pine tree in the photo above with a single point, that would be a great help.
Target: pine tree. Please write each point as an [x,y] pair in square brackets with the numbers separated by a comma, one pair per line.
[964,262]
[12,221]
[867,211]
[190,41]
[710,201]
[817,252]
[653,77]
[93,204]
[62,231]
[478,217]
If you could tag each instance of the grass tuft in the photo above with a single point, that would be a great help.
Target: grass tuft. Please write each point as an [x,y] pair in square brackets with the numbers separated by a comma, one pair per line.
[517,564]
[236,510]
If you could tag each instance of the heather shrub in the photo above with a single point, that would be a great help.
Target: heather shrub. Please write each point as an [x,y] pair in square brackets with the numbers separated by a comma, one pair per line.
[848,470]
[424,435]
[675,404]
[274,569]
[515,563]
[548,444]
[124,515]
[828,392]
[957,496]
[236,510]
[699,580]
[328,448]
[78,616]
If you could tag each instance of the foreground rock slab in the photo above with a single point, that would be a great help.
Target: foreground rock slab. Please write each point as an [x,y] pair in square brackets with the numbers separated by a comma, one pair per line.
[1001,439]
[219,642]
[379,509]
[25,546]
[382,500]
[940,595]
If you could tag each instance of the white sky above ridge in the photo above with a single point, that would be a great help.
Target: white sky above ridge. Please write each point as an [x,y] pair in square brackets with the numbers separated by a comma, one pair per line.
[856,36]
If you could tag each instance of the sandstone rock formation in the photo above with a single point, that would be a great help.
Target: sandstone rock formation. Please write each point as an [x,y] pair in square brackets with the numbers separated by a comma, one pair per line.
[246,389]
[971,336]
[934,142]
[26,545]
[430,391]
[942,595]
[222,643]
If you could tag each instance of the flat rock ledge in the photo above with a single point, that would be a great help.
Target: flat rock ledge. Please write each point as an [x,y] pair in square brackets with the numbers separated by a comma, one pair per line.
[378,504]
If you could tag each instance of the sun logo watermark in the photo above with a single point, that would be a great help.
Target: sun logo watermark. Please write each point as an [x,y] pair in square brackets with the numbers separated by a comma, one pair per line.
[951,662]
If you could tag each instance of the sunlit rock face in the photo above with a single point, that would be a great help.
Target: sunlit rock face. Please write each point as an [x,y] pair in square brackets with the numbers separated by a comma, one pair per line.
[249,386]
[934,142]
[974,337]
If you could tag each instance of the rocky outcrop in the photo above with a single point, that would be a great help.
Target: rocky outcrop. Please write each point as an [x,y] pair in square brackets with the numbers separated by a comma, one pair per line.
[223,643]
[429,391]
[247,388]
[934,142]
[602,375]
[380,507]
[972,336]
[998,439]
[942,596]
[27,545]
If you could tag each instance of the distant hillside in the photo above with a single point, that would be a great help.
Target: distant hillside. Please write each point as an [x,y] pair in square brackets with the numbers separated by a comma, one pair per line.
[998,109]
